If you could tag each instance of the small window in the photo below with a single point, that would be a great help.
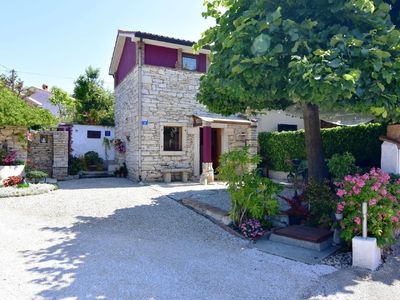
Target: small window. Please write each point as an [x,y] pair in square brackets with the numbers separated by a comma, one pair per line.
[172,138]
[287,127]
[189,62]
[107,133]
[93,134]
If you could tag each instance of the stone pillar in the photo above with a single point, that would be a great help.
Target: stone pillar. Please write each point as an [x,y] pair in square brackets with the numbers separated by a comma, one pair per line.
[60,155]
[208,172]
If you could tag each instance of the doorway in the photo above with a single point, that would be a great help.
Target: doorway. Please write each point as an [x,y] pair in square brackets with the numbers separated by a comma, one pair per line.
[216,147]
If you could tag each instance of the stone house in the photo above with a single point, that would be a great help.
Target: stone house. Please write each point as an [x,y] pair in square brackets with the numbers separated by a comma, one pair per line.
[157,115]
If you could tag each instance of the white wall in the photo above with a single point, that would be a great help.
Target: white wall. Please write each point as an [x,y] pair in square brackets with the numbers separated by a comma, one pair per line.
[269,120]
[81,144]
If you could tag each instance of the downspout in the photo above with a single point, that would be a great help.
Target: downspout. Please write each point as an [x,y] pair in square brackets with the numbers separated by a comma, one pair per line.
[140,58]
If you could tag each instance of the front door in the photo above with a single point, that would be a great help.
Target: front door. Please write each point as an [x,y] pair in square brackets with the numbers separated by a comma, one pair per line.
[216,146]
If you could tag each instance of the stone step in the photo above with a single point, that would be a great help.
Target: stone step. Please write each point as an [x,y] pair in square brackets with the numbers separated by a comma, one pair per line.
[303,236]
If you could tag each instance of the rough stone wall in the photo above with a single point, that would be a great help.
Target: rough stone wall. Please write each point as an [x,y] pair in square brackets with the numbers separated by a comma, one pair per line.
[48,151]
[168,98]
[127,121]
[40,153]
[13,138]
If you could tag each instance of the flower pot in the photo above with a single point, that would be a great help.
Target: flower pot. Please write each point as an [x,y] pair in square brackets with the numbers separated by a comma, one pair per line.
[7,171]
[339,217]
[393,132]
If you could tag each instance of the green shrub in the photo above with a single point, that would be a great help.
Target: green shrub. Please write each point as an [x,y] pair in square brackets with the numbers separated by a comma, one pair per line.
[361,141]
[340,165]
[76,164]
[93,158]
[252,196]
[322,201]
[36,175]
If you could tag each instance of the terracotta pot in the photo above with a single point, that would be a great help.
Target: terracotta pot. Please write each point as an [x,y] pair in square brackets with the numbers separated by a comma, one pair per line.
[393,132]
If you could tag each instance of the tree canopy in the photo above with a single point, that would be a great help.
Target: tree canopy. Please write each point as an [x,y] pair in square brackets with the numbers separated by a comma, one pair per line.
[14,111]
[269,54]
[64,102]
[94,104]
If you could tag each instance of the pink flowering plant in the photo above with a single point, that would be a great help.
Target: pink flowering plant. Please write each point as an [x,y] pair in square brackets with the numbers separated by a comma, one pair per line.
[382,196]
[119,145]
[252,229]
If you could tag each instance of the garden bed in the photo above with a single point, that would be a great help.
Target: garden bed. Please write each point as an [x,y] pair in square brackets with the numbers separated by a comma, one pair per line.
[32,189]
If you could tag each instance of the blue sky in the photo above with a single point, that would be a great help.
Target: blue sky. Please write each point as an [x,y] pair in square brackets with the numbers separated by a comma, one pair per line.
[53,42]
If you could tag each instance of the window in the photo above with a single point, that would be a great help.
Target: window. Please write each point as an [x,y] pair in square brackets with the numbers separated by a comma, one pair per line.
[287,127]
[189,62]
[107,133]
[93,134]
[172,138]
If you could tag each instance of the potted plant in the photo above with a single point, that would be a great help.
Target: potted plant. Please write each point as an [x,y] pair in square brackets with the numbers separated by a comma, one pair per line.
[123,170]
[298,211]
[36,176]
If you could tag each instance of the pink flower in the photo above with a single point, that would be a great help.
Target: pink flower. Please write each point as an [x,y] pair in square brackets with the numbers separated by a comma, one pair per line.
[395,219]
[339,208]
[356,190]
[383,192]
[372,202]
[357,220]
[348,178]
[376,186]
[341,193]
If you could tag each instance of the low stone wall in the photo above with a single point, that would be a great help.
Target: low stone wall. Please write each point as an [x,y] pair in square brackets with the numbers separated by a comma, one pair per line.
[13,138]
[48,151]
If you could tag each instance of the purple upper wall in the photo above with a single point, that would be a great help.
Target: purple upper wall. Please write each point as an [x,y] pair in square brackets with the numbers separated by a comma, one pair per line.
[153,55]
[128,60]
[160,56]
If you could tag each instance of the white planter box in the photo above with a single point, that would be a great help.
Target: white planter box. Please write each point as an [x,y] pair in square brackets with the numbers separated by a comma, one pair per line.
[278,175]
[7,171]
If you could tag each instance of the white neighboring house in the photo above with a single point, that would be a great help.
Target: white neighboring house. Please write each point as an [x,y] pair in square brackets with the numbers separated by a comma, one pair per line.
[87,138]
[278,120]
[40,98]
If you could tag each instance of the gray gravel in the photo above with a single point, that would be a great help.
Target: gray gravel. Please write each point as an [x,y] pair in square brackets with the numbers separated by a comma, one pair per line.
[112,239]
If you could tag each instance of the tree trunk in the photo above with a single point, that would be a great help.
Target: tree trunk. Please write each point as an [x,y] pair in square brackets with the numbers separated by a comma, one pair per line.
[315,157]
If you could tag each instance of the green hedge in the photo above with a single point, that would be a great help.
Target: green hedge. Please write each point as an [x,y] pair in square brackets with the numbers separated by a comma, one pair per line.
[362,141]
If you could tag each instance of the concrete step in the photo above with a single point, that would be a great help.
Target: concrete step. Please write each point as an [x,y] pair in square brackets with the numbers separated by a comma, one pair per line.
[303,236]
[95,174]
[216,213]
[305,255]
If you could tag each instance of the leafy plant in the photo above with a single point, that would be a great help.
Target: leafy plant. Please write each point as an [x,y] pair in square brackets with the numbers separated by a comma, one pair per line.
[13,180]
[340,165]
[15,111]
[252,196]
[381,195]
[36,175]
[321,201]
[76,164]
[92,158]
[251,229]
[297,206]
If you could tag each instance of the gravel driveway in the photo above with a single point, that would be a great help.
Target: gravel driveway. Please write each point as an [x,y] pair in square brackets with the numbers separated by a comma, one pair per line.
[113,239]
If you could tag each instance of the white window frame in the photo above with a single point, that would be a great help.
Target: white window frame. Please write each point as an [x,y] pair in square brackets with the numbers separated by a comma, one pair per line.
[184,137]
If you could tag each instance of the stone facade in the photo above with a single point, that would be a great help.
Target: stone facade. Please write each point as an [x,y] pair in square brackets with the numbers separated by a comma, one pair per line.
[160,97]
[48,151]
[13,138]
